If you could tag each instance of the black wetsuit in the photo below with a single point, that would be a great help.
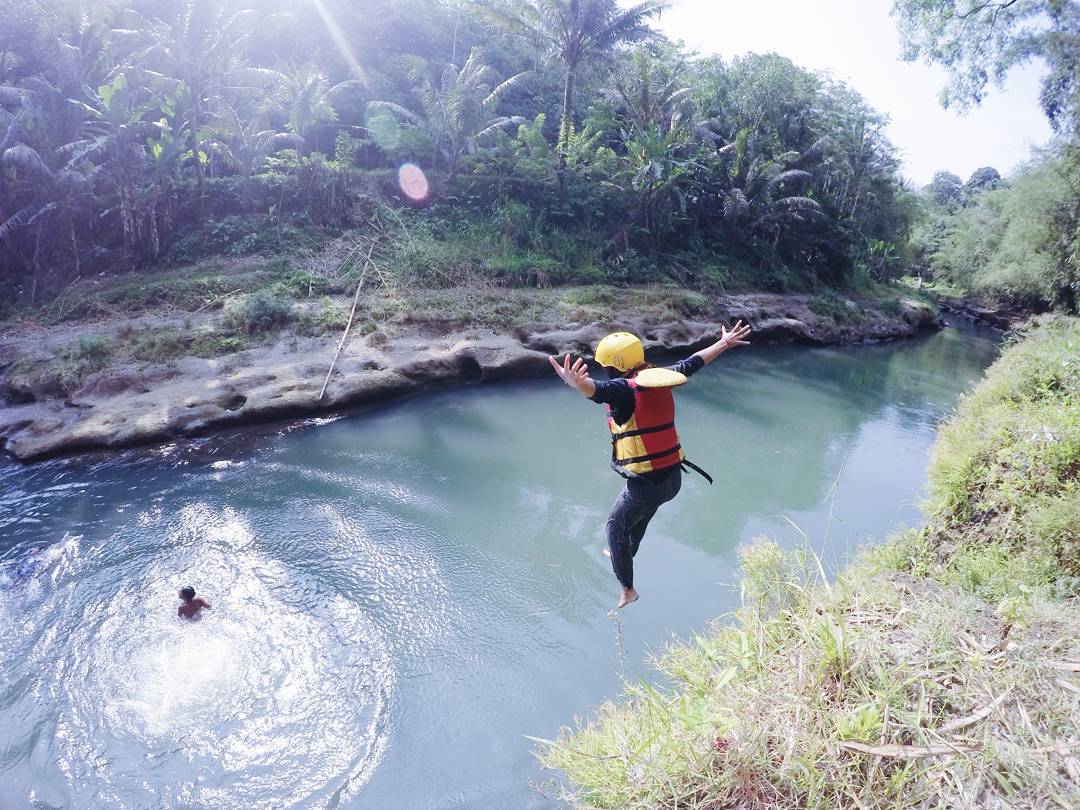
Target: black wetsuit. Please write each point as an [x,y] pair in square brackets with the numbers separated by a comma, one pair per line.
[643,494]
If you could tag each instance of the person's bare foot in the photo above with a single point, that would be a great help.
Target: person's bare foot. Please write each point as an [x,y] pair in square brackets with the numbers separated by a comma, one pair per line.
[628,595]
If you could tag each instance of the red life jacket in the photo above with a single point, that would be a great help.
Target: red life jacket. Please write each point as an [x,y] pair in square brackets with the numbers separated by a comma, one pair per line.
[648,441]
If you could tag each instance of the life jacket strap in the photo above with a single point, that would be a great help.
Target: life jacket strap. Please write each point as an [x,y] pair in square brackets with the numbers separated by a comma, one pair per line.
[641,431]
[697,469]
[622,462]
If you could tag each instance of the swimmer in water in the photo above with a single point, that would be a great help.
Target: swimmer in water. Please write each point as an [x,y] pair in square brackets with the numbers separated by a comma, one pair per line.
[192,603]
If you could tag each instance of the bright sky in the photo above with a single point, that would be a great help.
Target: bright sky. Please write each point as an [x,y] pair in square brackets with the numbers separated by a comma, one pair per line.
[856,41]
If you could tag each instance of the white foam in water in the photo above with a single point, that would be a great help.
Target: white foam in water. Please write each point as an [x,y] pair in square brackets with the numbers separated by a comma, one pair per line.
[280,689]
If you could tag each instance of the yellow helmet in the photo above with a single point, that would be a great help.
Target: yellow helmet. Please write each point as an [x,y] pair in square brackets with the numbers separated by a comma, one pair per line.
[620,350]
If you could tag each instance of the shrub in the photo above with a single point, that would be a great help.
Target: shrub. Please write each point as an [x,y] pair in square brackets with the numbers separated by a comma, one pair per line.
[69,367]
[891,306]
[239,235]
[259,312]
[328,316]
[157,345]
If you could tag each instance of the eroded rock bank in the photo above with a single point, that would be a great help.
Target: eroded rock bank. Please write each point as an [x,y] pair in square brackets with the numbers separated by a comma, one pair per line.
[986,312]
[128,405]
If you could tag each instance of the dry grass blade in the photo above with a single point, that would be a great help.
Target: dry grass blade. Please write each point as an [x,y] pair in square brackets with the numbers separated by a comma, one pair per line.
[1064,684]
[1066,666]
[976,716]
[213,301]
[908,751]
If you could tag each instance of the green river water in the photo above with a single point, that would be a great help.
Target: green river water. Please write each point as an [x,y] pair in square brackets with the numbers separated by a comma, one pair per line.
[401,595]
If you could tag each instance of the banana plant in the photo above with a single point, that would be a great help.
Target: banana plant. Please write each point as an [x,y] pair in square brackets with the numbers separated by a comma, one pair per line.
[195,46]
[662,168]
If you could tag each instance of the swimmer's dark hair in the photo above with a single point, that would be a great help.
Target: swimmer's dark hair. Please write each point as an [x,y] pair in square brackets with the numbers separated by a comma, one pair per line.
[187,592]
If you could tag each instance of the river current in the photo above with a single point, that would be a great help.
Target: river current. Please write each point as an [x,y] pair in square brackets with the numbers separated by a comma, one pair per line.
[401,596]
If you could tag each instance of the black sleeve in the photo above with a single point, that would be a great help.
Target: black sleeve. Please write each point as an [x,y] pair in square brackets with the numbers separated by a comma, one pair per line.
[689,366]
[618,394]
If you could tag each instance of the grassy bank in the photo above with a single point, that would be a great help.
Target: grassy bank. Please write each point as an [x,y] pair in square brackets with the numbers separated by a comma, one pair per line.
[939,670]
[414,278]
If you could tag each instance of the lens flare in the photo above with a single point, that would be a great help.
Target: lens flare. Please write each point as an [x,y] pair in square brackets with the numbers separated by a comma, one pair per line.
[413,182]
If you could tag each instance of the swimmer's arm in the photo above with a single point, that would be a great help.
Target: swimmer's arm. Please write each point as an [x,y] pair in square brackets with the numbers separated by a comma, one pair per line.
[203,602]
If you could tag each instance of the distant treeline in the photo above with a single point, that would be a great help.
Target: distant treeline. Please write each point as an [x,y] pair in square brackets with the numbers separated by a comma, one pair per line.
[1016,239]
[564,127]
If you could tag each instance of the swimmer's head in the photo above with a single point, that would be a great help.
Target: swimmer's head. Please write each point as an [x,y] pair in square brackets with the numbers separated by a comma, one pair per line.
[187,593]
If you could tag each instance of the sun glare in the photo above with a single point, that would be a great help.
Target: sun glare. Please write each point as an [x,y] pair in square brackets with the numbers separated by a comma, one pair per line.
[338,36]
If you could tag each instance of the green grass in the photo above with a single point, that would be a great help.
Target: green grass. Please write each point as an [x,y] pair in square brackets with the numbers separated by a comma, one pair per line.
[205,286]
[1005,470]
[933,672]
[934,287]
[323,318]
[832,306]
[67,369]
[167,344]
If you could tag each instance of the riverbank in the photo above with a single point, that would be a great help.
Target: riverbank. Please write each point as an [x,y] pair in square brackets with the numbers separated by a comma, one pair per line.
[937,670]
[142,376]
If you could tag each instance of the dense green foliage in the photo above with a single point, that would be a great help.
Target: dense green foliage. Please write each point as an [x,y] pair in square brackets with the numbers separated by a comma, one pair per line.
[139,131]
[1018,240]
[934,672]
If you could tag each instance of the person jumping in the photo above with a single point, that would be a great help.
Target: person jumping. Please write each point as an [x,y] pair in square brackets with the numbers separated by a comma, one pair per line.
[645,448]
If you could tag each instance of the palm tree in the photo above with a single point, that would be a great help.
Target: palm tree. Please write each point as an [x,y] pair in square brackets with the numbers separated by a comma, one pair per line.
[244,146]
[578,31]
[759,190]
[301,96]
[663,165]
[65,197]
[125,141]
[457,112]
[37,182]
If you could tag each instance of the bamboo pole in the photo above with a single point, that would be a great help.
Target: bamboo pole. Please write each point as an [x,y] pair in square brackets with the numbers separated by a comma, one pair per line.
[348,326]
[213,301]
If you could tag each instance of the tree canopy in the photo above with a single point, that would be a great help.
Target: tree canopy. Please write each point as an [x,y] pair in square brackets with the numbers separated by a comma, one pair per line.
[980,41]
[129,127]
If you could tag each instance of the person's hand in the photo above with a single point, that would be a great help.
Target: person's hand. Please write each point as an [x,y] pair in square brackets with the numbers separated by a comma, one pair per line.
[736,336]
[575,375]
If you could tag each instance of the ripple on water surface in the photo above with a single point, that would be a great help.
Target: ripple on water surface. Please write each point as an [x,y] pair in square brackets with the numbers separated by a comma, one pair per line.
[282,690]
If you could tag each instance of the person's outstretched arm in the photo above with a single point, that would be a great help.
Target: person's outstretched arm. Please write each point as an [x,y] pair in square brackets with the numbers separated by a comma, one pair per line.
[576,375]
[729,339]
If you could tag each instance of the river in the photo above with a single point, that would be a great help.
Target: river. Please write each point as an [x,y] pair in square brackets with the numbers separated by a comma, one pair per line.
[400,596]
